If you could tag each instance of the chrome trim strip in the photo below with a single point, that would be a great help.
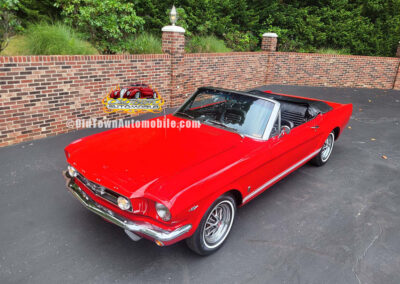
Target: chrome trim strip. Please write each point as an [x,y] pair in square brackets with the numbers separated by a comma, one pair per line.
[249,196]
[147,229]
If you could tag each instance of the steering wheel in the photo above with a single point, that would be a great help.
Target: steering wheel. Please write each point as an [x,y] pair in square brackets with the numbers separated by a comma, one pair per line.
[240,113]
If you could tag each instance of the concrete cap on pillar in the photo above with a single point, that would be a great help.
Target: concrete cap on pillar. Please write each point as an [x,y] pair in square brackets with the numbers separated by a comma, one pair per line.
[270,35]
[174,29]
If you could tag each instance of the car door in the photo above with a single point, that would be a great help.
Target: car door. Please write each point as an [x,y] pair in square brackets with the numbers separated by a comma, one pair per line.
[280,155]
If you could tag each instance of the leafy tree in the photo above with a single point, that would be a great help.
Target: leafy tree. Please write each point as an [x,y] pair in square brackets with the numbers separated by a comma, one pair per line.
[30,11]
[106,23]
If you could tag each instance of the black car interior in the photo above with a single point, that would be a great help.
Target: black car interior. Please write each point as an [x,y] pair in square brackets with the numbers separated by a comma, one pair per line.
[295,111]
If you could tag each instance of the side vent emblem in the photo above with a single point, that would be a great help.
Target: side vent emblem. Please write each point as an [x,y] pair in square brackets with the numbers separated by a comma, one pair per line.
[193,208]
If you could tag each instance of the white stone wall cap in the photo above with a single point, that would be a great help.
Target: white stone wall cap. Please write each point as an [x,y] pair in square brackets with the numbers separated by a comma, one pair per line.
[270,35]
[175,29]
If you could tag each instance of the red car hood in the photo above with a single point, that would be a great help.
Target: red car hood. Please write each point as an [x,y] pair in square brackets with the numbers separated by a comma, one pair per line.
[140,161]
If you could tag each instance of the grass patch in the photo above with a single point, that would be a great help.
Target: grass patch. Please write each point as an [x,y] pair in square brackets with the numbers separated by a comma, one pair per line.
[144,43]
[15,47]
[57,39]
[333,51]
[206,44]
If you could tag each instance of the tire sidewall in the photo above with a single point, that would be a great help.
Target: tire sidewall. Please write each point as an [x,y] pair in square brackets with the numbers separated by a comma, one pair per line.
[331,150]
[198,243]
[317,160]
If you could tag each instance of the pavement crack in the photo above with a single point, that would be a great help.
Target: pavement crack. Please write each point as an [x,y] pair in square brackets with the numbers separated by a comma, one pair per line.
[356,265]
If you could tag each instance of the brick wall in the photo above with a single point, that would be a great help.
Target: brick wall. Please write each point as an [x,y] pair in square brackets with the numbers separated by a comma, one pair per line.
[40,93]
[236,70]
[332,70]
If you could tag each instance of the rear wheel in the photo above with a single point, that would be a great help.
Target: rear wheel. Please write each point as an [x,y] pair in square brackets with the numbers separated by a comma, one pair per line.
[325,152]
[214,227]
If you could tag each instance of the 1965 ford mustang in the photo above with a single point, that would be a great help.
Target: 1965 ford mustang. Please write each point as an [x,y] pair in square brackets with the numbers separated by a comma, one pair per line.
[171,184]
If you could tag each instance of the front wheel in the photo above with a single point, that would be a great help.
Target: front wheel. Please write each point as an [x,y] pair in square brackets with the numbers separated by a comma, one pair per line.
[325,152]
[214,227]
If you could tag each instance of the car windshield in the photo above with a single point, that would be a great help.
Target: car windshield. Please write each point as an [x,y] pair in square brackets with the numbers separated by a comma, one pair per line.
[246,115]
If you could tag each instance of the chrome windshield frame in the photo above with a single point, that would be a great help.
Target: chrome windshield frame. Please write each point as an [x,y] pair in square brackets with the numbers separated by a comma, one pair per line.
[272,118]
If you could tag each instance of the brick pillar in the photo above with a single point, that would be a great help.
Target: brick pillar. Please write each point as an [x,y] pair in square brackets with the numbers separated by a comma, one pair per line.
[173,43]
[173,39]
[269,42]
[398,50]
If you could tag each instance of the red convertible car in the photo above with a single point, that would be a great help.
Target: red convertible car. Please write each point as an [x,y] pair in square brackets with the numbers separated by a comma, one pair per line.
[135,91]
[190,187]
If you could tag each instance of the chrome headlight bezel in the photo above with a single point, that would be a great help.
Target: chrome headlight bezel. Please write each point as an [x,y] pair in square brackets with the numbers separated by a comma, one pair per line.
[124,203]
[163,212]
[72,171]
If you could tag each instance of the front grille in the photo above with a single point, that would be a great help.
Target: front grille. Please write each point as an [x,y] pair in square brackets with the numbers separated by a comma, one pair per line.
[101,191]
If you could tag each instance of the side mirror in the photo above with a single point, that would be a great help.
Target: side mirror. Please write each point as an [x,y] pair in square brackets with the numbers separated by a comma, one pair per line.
[284,130]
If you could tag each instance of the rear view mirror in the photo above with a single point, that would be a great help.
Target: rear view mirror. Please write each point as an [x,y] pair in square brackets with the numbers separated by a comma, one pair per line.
[284,130]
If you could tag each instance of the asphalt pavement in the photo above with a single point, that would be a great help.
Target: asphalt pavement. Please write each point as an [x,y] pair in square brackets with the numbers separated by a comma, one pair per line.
[339,223]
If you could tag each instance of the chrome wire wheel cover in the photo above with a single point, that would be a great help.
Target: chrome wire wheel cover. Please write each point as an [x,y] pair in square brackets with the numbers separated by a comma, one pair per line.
[327,148]
[218,224]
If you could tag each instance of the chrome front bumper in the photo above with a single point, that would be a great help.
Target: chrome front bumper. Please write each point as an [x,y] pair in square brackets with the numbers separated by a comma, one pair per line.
[147,229]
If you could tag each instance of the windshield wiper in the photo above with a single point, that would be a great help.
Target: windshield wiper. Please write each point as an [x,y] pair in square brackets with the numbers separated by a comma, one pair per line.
[185,114]
[224,126]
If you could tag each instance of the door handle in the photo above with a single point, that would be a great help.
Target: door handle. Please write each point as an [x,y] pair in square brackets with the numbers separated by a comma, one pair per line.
[315,127]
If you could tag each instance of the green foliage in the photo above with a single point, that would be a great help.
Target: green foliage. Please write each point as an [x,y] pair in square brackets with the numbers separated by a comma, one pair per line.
[9,23]
[106,23]
[199,17]
[366,27]
[58,39]
[332,51]
[144,43]
[241,41]
[206,44]
[16,46]
[32,11]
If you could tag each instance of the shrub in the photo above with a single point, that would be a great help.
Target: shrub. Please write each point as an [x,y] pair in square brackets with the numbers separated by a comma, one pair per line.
[9,23]
[241,41]
[206,44]
[106,23]
[144,43]
[55,39]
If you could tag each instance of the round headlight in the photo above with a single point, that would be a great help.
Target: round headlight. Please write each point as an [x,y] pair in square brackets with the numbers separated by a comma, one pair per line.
[123,203]
[72,172]
[163,212]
